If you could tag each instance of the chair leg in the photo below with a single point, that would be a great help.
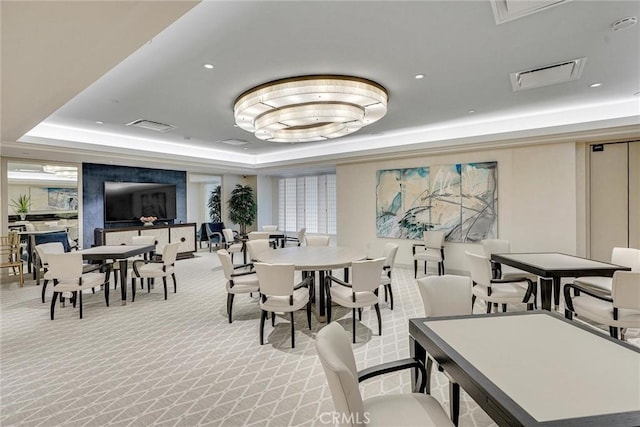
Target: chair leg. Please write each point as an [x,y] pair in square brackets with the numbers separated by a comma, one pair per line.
[360,314]
[377,307]
[79,297]
[309,314]
[473,302]
[613,331]
[230,306]
[133,288]
[263,316]
[425,268]
[164,282]
[53,303]
[428,367]
[385,293]
[44,287]
[390,295]
[273,319]
[415,268]
[353,310]
[489,305]
[75,299]
[504,308]
[454,402]
[328,292]
[175,285]
[293,335]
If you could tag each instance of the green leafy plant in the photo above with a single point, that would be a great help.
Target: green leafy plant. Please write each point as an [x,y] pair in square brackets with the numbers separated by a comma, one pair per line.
[22,204]
[242,207]
[215,205]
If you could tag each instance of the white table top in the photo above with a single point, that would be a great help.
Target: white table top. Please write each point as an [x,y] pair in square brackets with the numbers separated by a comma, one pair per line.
[116,251]
[553,260]
[575,373]
[313,258]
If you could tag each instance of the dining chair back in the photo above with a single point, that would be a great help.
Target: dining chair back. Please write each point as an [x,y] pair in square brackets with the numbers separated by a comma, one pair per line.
[366,275]
[254,247]
[626,291]
[258,235]
[269,228]
[321,240]
[152,269]
[446,295]
[10,255]
[628,257]
[389,254]
[43,250]
[279,295]
[339,365]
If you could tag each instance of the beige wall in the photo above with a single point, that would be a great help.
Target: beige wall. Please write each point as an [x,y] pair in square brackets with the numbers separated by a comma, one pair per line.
[537,201]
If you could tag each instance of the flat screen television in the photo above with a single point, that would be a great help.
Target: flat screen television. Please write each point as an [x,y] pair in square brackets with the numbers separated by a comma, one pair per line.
[128,201]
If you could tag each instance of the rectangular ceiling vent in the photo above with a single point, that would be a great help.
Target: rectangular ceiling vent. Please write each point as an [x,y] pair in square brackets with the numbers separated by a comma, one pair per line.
[547,75]
[149,124]
[233,141]
[508,10]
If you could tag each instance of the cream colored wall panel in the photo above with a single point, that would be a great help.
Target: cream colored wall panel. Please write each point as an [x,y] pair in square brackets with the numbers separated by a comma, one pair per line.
[634,194]
[186,235]
[161,235]
[608,193]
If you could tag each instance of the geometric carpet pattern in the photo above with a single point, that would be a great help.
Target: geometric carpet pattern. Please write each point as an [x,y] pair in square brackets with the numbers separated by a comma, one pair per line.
[180,363]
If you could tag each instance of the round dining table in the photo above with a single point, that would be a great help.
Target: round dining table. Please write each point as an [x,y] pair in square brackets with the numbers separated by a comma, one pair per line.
[310,259]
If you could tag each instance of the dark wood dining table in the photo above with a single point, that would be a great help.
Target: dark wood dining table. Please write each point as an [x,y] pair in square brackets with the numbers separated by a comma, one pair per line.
[534,368]
[551,267]
[118,253]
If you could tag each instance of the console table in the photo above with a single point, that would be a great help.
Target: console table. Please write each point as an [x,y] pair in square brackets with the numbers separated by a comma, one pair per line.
[164,233]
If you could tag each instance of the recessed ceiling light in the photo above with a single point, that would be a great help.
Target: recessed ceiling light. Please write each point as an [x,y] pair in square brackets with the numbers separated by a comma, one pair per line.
[595,85]
[637,93]
[208,66]
[623,23]
[471,111]
[419,76]
[99,123]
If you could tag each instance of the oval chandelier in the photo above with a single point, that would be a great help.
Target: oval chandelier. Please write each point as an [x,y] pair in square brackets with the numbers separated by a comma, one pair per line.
[310,108]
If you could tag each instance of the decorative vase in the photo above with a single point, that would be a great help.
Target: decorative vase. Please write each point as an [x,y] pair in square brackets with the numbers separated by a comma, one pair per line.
[148,223]
[23,216]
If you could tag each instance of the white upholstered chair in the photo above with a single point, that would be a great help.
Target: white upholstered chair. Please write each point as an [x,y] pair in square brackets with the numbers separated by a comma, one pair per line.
[295,241]
[502,246]
[66,271]
[389,254]
[230,244]
[627,257]
[446,295]
[279,294]
[153,269]
[432,251]
[135,240]
[43,250]
[361,292]
[244,282]
[619,310]
[258,235]
[254,247]
[339,365]
[498,291]
[320,240]
[270,228]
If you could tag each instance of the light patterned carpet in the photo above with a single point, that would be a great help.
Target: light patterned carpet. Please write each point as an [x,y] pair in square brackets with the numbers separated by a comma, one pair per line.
[179,363]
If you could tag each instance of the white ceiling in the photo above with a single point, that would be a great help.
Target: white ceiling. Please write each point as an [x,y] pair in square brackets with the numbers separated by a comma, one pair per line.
[465,56]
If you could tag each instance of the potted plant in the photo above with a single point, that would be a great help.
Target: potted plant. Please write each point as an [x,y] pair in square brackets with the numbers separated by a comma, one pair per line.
[215,206]
[21,205]
[242,207]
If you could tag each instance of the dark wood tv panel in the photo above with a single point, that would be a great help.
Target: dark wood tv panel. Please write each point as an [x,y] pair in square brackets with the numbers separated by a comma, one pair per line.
[164,233]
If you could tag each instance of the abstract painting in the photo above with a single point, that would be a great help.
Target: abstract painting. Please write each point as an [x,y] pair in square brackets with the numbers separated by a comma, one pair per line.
[459,199]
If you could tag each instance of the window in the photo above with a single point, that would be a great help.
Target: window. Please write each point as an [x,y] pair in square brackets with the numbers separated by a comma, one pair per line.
[309,202]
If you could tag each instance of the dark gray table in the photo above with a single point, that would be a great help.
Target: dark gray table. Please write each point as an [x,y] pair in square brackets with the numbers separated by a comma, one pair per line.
[120,253]
[534,368]
[551,267]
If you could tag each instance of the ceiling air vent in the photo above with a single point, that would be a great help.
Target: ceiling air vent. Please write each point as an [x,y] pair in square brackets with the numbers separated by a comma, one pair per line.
[149,124]
[508,10]
[547,75]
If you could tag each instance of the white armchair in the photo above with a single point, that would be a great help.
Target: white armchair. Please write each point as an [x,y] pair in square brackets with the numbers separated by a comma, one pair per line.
[295,241]
[619,310]
[152,269]
[361,292]
[339,365]
[278,294]
[245,282]
[389,254]
[498,291]
[433,251]
[232,245]
[627,257]
[321,240]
